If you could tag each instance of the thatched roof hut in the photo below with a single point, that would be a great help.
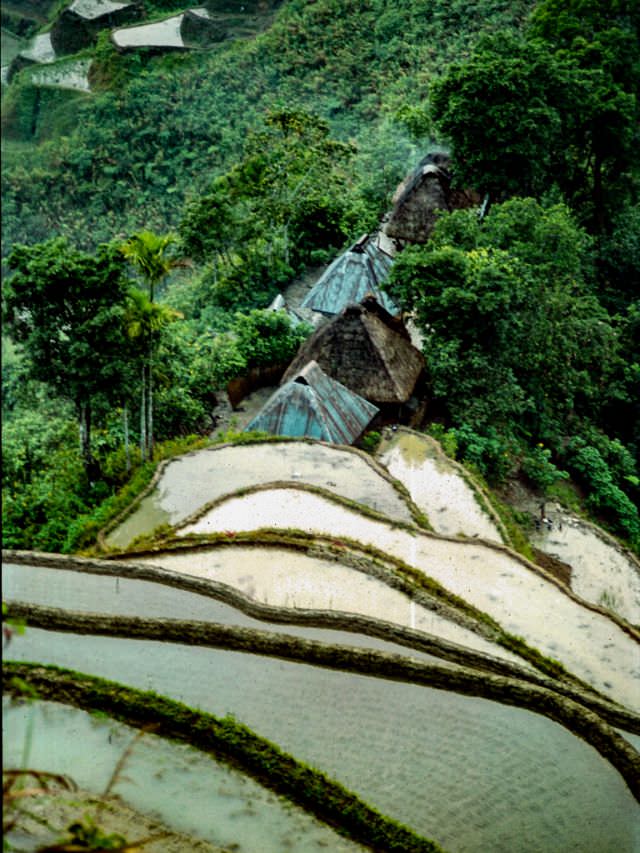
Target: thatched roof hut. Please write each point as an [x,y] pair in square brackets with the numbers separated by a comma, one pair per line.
[418,199]
[424,192]
[354,274]
[367,350]
[314,405]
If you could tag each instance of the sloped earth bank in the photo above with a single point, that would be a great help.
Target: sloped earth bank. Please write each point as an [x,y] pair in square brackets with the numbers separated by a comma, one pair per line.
[437,486]
[469,772]
[491,578]
[189,482]
[170,782]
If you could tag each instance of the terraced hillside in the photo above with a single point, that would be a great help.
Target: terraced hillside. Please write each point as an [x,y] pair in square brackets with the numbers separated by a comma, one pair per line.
[297,589]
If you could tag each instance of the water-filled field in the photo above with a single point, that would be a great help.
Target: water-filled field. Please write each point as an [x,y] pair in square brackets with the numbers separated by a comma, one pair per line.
[437,486]
[496,581]
[470,773]
[190,482]
[123,596]
[288,578]
[187,790]
[601,572]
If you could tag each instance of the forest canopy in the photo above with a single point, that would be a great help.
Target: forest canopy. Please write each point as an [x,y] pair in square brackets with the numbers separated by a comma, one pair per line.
[149,223]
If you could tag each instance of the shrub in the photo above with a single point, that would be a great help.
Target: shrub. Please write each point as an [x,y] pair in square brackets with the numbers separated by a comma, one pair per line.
[539,469]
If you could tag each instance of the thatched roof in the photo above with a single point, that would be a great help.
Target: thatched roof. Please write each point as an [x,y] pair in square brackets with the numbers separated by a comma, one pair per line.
[418,199]
[367,350]
[314,405]
[358,271]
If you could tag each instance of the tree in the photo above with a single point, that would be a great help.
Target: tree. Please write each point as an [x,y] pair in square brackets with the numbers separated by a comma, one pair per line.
[601,40]
[500,111]
[145,321]
[558,104]
[148,253]
[287,196]
[66,309]
[514,337]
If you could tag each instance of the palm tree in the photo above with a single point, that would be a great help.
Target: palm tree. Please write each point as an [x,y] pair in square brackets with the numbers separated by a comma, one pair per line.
[144,322]
[148,254]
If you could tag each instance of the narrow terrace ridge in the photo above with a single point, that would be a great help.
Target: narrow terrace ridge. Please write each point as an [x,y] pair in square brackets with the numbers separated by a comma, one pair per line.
[597,647]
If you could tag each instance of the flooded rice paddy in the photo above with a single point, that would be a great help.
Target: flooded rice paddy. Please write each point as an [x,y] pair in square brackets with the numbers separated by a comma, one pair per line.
[601,572]
[185,789]
[121,596]
[436,486]
[589,644]
[159,34]
[40,49]
[470,773]
[190,482]
[287,578]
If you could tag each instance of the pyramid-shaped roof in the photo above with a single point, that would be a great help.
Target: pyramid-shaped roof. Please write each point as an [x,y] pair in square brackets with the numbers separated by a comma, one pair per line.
[358,271]
[314,405]
[367,350]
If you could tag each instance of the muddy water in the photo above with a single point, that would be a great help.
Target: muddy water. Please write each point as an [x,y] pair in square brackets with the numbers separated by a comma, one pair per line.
[470,773]
[187,790]
[189,482]
[589,644]
[129,597]
[285,578]
[601,573]
[436,486]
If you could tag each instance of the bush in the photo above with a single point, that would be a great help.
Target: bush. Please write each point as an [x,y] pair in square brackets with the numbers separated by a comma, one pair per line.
[539,469]
[604,496]
[490,453]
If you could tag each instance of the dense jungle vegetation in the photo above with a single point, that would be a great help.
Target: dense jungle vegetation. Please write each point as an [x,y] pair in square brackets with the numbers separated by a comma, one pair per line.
[147,225]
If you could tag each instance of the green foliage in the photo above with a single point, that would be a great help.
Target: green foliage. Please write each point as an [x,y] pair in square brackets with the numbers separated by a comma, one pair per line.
[605,496]
[85,834]
[43,479]
[498,146]
[555,103]
[540,470]
[488,452]
[447,438]
[268,337]
[370,441]
[514,339]
[148,253]
[66,308]
[257,339]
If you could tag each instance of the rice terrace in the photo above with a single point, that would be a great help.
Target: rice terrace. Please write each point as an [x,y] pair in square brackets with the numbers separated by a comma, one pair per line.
[321,422]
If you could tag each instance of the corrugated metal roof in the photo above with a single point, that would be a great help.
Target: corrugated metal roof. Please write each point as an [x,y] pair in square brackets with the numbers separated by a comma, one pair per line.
[314,405]
[353,275]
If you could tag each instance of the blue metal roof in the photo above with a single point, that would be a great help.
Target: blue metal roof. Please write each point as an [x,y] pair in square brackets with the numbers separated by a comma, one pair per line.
[314,405]
[353,275]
